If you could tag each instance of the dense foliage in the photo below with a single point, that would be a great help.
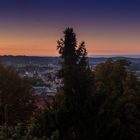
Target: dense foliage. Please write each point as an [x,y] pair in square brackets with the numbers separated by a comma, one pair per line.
[118,101]
[16,97]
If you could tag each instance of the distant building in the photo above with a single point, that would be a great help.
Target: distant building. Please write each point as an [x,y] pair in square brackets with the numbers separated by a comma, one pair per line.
[44,91]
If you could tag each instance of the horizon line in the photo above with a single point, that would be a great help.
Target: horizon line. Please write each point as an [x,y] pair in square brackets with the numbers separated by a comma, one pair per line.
[104,55]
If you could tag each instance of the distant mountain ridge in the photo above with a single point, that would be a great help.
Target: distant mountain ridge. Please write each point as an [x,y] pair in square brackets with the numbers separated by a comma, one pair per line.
[41,59]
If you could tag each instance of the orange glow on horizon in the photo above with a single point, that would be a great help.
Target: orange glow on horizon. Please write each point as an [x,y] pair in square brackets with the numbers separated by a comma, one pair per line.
[45,45]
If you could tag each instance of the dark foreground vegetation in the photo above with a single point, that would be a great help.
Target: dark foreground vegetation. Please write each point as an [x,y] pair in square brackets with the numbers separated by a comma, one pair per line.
[98,104]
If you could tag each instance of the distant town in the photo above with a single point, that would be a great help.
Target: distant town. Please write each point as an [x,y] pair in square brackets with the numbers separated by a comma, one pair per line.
[44,70]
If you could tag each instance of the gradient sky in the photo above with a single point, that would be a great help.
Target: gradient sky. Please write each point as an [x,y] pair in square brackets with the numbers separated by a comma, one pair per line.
[32,27]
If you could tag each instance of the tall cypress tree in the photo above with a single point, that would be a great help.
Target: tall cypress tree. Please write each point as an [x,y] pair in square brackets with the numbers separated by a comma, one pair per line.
[76,75]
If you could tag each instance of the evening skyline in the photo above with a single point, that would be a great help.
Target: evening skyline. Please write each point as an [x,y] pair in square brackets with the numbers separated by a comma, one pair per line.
[32,27]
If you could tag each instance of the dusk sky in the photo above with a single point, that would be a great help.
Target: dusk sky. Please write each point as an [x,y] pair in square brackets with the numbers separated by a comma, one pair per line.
[32,27]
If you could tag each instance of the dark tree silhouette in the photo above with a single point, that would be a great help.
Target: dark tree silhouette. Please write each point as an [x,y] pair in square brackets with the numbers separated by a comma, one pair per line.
[118,101]
[77,86]
[16,97]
